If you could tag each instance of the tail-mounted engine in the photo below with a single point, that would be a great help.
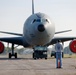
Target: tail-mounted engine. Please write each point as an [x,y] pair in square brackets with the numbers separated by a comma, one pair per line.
[72,46]
[1,47]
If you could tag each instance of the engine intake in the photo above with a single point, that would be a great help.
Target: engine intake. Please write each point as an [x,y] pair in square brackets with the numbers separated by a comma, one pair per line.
[72,46]
[1,47]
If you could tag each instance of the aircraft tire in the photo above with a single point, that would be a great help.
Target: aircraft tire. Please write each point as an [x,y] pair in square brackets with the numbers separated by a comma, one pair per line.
[33,55]
[15,55]
[46,58]
[9,55]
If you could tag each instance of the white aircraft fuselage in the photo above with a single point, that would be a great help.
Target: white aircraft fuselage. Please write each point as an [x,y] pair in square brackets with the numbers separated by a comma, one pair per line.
[38,29]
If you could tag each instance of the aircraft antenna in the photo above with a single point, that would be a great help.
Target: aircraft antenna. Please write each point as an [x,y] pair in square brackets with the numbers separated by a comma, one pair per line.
[32,6]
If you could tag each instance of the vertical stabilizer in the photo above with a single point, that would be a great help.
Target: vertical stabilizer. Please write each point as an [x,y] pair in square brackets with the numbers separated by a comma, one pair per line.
[32,6]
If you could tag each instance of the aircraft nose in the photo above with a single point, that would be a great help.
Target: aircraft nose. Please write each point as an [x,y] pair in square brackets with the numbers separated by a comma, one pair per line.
[41,28]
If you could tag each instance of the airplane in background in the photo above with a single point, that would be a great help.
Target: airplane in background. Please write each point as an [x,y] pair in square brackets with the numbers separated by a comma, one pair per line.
[38,33]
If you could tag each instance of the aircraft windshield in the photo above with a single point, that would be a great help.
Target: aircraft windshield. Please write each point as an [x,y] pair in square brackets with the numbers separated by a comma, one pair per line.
[40,20]
[45,20]
[36,20]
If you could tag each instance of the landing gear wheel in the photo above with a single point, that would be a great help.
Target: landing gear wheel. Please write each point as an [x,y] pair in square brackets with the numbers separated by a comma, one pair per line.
[46,58]
[35,58]
[15,55]
[9,55]
[33,55]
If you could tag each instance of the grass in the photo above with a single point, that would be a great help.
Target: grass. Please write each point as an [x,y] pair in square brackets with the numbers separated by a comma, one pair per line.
[69,56]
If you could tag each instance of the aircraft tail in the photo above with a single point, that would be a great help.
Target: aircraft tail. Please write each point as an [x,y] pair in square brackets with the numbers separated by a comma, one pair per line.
[32,6]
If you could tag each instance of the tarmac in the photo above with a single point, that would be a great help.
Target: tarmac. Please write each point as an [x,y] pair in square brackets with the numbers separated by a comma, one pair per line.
[28,66]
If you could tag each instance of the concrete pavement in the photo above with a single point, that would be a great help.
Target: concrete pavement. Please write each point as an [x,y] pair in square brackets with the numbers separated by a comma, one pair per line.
[28,66]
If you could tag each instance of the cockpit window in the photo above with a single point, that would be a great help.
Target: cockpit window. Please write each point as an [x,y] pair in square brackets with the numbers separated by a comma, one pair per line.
[40,20]
[36,20]
[47,20]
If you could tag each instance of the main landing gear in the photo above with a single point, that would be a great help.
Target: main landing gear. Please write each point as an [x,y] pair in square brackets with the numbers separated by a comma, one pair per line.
[12,53]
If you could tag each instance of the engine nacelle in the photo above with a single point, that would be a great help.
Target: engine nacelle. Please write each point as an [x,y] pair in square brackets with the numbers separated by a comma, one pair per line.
[72,46]
[1,47]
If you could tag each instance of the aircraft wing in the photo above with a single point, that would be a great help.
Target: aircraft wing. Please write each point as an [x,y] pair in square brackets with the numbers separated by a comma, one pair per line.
[60,39]
[62,31]
[14,40]
[11,33]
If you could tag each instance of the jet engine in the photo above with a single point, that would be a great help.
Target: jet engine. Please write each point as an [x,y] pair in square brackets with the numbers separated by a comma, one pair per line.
[1,47]
[72,46]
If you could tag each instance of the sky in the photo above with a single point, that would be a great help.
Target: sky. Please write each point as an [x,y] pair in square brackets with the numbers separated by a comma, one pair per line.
[13,14]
